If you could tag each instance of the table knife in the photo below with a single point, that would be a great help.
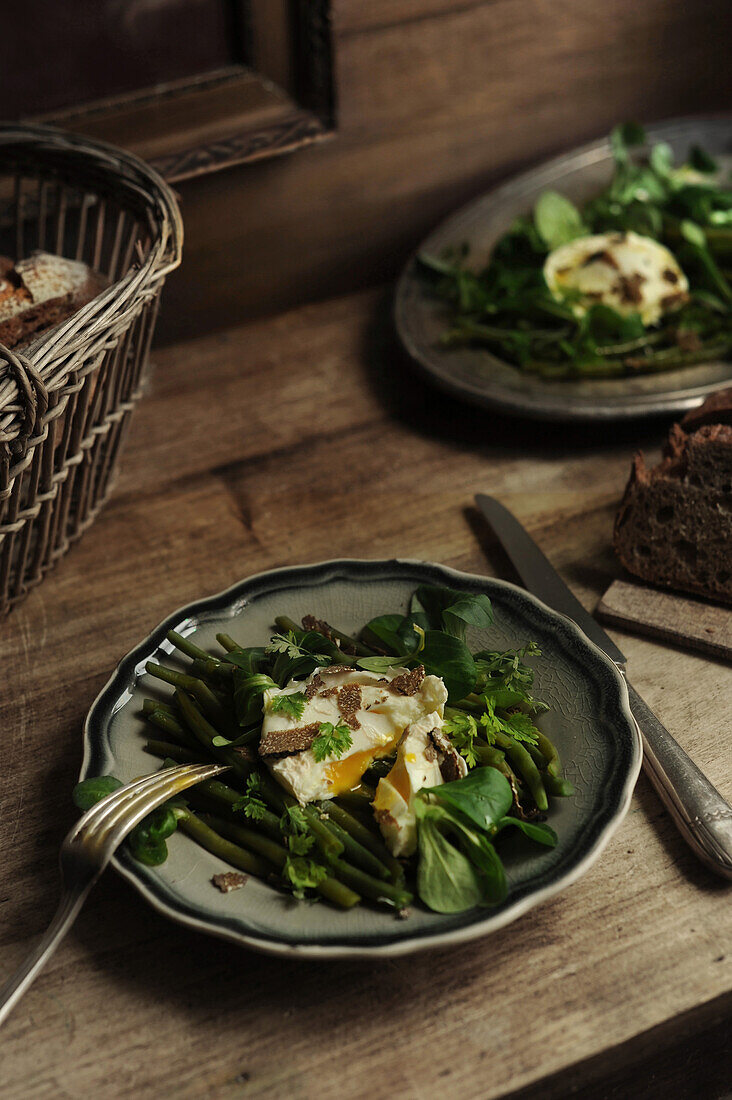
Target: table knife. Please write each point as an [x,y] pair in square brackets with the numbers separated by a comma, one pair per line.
[702,816]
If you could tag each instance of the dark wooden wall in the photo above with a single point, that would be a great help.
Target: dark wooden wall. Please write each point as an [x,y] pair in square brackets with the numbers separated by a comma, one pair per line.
[438,98]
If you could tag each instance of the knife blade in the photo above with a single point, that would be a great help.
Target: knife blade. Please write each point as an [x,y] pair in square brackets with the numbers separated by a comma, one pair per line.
[540,576]
[702,816]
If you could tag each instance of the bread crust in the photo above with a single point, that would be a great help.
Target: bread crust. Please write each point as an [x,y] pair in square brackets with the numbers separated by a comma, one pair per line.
[674,524]
[68,286]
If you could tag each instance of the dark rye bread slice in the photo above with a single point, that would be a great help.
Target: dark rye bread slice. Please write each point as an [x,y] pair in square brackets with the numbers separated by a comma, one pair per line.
[674,525]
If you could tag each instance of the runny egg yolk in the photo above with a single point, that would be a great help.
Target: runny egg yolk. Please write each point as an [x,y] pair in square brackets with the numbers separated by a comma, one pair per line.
[399,777]
[344,775]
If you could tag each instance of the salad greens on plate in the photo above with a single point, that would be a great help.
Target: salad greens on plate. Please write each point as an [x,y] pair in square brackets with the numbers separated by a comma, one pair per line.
[252,708]
[651,291]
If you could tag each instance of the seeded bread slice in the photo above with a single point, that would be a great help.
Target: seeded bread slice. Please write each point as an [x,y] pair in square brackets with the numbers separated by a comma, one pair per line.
[674,525]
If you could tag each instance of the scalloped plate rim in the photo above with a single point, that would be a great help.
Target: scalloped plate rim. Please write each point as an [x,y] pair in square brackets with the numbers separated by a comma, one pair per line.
[417,942]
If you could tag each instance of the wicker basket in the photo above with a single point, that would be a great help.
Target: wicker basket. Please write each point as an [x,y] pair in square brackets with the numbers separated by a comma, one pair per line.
[65,401]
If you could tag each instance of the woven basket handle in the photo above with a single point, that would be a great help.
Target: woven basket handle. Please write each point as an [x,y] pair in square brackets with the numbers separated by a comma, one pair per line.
[31,394]
[28,397]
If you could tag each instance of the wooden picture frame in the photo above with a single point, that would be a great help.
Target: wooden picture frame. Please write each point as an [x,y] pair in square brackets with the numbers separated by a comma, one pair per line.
[279,97]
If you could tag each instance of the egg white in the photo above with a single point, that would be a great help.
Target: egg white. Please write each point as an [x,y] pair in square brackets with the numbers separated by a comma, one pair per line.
[382,718]
[417,766]
[628,272]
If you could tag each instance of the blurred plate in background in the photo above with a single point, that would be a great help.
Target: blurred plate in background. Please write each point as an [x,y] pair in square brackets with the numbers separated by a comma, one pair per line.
[479,376]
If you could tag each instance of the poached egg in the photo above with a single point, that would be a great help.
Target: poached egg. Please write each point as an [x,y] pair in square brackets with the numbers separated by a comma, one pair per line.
[376,707]
[628,272]
[420,762]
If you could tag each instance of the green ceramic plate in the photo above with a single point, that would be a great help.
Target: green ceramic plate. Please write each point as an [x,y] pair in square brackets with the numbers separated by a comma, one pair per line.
[590,721]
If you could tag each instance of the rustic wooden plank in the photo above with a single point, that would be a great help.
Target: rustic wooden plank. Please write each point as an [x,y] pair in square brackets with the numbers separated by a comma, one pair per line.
[669,616]
[309,439]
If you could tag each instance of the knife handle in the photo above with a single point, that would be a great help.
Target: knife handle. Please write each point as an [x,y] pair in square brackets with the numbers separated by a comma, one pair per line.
[702,816]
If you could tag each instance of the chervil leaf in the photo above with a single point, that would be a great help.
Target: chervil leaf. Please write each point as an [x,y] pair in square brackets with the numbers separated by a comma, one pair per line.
[293,820]
[300,844]
[517,724]
[303,874]
[253,806]
[505,677]
[462,729]
[291,704]
[331,740]
[284,643]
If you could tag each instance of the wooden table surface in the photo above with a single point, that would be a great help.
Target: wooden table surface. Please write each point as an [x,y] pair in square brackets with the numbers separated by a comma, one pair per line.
[292,440]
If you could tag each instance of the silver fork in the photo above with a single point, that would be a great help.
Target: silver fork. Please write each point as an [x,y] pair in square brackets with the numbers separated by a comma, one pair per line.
[86,851]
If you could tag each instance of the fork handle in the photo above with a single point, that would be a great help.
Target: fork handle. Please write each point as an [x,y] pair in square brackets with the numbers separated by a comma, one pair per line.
[70,904]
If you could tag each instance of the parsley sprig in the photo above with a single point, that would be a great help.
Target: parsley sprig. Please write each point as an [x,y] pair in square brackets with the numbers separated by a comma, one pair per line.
[299,870]
[252,804]
[462,729]
[516,724]
[291,704]
[287,644]
[332,740]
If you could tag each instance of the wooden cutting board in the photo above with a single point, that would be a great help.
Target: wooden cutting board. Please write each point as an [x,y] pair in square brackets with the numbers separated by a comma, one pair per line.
[671,617]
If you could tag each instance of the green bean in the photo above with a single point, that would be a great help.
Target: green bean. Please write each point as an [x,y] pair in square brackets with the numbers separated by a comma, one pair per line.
[227,642]
[285,623]
[204,732]
[535,753]
[330,844]
[221,794]
[338,893]
[491,757]
[211,669]
[330,888]
[203,694]
[151,705]
[180,753]
[232,853]
[549,752]
[358,855]
[326,839]
[222,797]
[557,786]
[250,839]
[368,839]
[370,887]
[519,757]
[185,645]
[171,727]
